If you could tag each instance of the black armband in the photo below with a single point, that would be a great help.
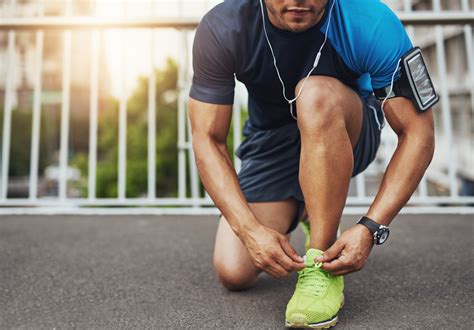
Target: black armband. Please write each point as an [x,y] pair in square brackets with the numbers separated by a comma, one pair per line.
[414,83]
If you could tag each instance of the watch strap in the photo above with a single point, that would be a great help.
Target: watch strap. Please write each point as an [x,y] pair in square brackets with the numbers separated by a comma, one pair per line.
[370,224]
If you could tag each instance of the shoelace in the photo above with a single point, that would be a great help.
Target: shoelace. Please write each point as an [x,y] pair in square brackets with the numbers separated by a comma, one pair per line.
[313,280]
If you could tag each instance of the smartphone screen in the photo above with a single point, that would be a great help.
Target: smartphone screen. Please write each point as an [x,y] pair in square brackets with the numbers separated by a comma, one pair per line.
[421,79]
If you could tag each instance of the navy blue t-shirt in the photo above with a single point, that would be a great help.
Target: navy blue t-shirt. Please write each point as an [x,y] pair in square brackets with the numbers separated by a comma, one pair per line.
[365,42]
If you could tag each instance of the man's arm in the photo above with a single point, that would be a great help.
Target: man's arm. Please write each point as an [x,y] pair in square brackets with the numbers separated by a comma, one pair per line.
[210,126]
[268,249]
[415,131]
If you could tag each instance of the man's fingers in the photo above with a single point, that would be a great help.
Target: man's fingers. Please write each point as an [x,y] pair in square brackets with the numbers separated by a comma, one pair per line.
[334,266]
[272,273]
[331,253]
[270,266]
[269,269]
[289,264]
[289,250]
[278,270]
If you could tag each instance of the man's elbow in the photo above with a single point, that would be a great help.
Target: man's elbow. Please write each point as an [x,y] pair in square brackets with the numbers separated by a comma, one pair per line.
[203,145]
[199,143]
[428,144]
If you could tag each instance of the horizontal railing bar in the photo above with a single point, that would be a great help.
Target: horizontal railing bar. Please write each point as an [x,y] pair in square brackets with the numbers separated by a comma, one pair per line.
[61,23]
[82,22]
[107,202]
[352,201]
[196,204]
[431,18]
[348,210]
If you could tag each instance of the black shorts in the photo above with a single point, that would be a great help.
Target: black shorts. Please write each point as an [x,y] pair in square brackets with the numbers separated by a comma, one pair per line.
[270,158]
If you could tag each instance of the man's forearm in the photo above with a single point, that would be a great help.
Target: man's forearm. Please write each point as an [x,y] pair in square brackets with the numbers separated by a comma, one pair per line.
[220,180]
[403,174]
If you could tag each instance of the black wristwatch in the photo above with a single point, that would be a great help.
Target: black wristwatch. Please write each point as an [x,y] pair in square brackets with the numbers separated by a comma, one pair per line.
[380,232]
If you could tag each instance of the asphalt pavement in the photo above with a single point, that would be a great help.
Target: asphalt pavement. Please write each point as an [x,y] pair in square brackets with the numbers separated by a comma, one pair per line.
[156,272]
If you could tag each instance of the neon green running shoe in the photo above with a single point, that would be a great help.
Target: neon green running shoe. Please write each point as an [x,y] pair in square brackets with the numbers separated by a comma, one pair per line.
[318,296]
[304,224]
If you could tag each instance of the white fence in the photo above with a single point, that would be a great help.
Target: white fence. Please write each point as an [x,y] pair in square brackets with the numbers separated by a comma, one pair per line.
[190,199]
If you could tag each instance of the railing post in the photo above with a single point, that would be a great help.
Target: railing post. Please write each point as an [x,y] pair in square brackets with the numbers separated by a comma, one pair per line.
[237,132]
[93,119]
[181,143]
[35,134]
[469,53]
[152,120]
[122,129]
[194,176]
[65,109]
[7,111]
[445,105]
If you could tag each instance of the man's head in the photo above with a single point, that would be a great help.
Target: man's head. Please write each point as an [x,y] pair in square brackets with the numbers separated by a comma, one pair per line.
[295,15]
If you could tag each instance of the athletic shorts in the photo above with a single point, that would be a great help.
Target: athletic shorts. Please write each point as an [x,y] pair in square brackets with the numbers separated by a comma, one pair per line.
[270,158]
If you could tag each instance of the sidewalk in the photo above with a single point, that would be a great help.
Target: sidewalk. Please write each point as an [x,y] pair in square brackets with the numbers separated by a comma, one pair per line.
[155,272]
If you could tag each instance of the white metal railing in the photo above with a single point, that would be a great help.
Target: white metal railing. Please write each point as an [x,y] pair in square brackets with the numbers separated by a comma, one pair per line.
[359,199]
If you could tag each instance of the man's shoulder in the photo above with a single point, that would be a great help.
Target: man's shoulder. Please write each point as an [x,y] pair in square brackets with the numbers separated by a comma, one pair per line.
[365,8]
[230,15]
[373,38]
[365,15]
[364,22]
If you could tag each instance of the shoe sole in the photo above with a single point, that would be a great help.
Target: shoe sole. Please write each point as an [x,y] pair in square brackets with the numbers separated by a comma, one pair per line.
[321,325]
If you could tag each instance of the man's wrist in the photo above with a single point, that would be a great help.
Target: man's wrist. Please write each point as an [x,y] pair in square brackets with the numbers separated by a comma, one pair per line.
[380,217]
[245,228]
[379,232]
[366,232]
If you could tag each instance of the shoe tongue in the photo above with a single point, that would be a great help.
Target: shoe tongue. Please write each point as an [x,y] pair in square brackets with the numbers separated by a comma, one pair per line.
[311,254]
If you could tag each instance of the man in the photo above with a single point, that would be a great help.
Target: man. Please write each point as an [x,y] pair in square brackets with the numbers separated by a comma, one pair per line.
[301,153]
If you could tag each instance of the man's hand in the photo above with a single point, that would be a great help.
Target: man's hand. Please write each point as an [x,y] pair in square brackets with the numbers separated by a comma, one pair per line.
[349,253]
[271,252]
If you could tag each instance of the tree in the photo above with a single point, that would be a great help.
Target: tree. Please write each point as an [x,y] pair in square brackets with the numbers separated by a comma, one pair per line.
[137,140]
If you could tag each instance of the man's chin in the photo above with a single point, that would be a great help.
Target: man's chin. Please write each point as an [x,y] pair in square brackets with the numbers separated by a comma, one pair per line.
[297,27]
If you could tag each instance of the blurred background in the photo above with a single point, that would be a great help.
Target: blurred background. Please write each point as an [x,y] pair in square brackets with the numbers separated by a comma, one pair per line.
[93,105]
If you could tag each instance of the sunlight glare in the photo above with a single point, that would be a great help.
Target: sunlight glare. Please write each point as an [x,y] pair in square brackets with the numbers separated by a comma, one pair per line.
[128,51]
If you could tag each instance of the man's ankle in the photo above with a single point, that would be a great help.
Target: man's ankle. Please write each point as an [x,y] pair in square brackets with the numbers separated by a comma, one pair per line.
[321,245]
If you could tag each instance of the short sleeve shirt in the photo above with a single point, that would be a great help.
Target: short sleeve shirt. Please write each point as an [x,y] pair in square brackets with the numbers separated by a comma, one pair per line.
[365,42]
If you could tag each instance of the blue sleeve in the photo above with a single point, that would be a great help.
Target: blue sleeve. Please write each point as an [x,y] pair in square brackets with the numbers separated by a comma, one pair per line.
[381,52]
[213,80]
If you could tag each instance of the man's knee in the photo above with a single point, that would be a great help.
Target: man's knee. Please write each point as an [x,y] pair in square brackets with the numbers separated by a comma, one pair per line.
[320,105]
[234,277]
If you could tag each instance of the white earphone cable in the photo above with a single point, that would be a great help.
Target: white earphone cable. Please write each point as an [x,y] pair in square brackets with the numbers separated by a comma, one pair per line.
[382,125]
[391,85]
[315,63]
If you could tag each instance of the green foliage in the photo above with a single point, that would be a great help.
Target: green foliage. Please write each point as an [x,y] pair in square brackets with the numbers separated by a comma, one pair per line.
[20,142]
[137,138]
[107,158]
[230,137]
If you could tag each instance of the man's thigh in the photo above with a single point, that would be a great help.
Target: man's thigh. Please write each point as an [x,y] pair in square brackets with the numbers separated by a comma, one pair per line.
[229,251]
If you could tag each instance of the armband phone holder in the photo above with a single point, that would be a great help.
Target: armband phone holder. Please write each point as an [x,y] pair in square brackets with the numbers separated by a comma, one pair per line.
[415,82]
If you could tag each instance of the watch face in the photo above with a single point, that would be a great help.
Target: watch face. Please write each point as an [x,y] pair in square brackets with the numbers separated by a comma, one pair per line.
[383,235]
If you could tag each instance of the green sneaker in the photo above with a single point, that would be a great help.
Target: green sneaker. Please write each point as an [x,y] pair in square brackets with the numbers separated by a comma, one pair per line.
[318,296]
[304,224]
